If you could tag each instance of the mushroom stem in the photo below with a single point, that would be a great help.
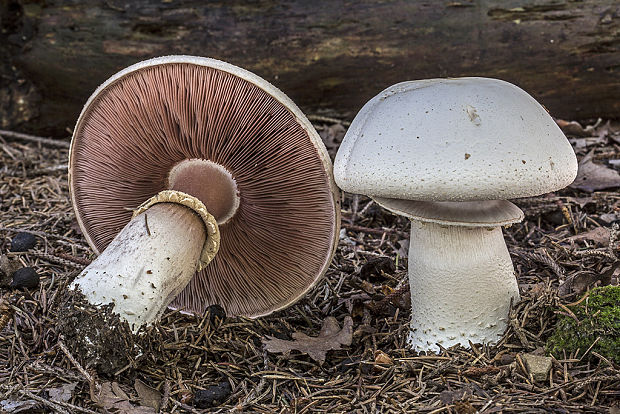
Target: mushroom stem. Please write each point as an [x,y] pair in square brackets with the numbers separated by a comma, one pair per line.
[462,281]
[147,264]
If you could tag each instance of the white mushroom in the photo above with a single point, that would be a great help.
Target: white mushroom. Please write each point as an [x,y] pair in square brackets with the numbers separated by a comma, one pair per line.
[448,153]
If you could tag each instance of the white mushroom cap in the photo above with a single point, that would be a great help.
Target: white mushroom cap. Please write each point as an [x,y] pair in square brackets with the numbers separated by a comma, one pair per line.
[462,139]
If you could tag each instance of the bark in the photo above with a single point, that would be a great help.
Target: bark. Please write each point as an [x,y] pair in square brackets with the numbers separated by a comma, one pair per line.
[325,54]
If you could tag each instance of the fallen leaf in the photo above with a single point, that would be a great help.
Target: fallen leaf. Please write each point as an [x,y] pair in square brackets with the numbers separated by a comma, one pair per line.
[580,282]
[574,128]
[149,397]
[330,338]
[608,218]
[62,394]
[111,397]
[382,358]
[592,177]
[12,406]
[598,235]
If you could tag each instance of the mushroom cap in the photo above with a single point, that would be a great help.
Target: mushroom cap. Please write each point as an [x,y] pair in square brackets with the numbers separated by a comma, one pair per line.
[462,139]
[148,118]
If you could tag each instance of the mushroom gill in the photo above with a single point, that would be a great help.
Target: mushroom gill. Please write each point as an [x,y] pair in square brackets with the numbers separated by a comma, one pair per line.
[281,235]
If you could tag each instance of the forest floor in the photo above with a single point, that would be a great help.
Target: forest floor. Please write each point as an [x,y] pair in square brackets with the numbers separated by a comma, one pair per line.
[567,244]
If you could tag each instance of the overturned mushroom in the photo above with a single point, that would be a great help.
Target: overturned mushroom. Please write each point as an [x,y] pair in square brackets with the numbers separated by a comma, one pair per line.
[448,153]
[205,156]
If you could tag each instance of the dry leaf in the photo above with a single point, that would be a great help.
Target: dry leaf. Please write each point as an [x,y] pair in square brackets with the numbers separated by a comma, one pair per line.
[111,397]
[574,128]
[149,397]
[580,282]
[330,338]
[598,235]
[382,358]
[592,177]
[62,394]
[608,218]
[14,407]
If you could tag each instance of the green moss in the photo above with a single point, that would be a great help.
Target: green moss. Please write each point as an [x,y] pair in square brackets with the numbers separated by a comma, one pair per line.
[599,317]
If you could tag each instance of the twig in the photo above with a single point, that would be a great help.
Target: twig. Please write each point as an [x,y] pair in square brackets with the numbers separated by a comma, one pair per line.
[184,406]
[580,300]
[33,138]
[56,259]
[41,234]
[76,364]
[165,396]
[379,232]
[569,313]
[595,253]
[321,118]
[78,260]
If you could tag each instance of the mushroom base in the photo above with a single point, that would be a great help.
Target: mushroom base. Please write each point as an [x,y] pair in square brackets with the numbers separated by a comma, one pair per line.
[462,282]
[95,335]
[147,264]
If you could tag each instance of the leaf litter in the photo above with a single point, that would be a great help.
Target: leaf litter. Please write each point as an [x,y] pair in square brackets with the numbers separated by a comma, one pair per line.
[195,354]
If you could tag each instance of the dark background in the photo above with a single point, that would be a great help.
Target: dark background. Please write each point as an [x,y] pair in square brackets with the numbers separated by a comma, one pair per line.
[329,56]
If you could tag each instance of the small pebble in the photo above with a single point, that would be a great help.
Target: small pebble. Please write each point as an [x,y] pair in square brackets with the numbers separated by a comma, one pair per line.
[23,242]
[212,396]
[26,277]
[538,366]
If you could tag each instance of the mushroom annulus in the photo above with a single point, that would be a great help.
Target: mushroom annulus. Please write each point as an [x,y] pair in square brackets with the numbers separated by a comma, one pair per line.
[448,154]
[199,183]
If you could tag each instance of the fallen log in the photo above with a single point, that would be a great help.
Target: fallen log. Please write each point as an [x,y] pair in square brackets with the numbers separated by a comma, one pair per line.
[326,54]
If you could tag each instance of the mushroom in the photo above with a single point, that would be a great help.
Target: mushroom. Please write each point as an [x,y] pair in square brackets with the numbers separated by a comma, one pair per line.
[199,183]
[447,154]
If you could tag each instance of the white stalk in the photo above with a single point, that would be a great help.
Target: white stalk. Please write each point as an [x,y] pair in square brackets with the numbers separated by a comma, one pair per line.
[147,264]
[462,281]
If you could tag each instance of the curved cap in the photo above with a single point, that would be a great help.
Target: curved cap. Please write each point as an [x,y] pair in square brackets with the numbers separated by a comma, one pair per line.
[152,116]
[459,139]
[484,213]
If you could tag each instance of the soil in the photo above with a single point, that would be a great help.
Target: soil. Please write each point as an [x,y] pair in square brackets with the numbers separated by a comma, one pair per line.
[567,245]
[95,334]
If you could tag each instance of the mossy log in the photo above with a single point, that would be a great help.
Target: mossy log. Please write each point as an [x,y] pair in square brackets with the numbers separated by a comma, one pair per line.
[325,54]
